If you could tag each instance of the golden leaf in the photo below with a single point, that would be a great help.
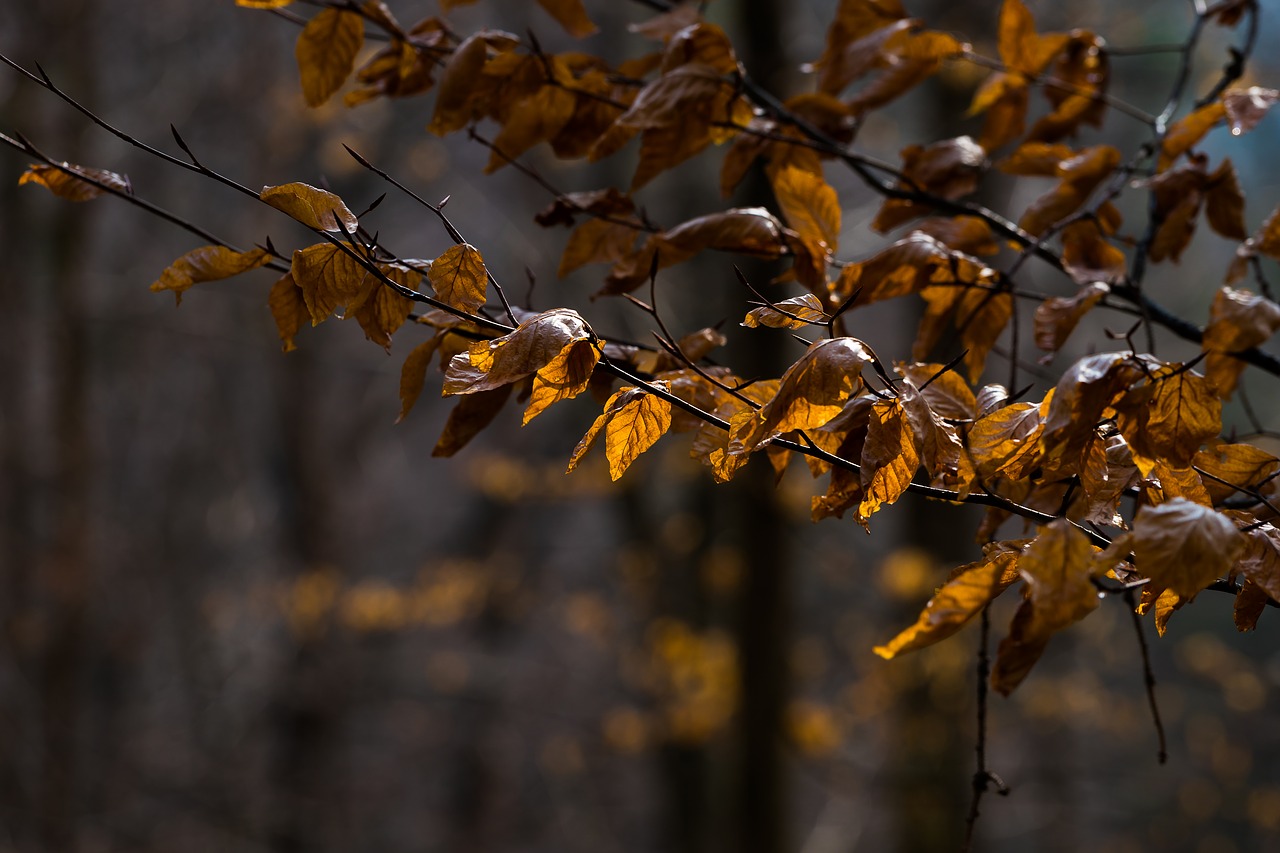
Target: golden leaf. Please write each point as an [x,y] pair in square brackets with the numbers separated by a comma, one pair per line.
[1175,420]
[413,374]
[571,15]
[208,263]
[383,309]
[263,4]
[533,345]
[812,391]
[1081,395]
[1077,81]
[633,420]
[1224,202]
[598,241]
[472,413]
[1187,131]
[1021,48]
[330,279]
[459,277]
[794,313]
[1080,175]
[1007,441]
[74,186]
[970,588]
[937,442]
[1242,465]
[563,378]
[947,393]
[453,110]
[1238,320]
[534,119]
[326,52]
[889,458]
[288,309]
[978,313]
[854,40]
[809,205]
[1018,651]
[314,208]
[1260,561]
[949,169]
[1183,546]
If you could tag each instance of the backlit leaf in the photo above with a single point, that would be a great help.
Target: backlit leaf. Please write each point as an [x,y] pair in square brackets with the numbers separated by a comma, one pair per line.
[809,205]
[533,345]
[314,208]
[1180,415]
[208,263]
[1187,131]
[1081,395]
[1057,316]
[794,313]
[1183,546]
[1260,559]
[1007,441]
[459,277]
[1250,603]
[970,589]
[1241,465]
[263,4]
[1246,107]
[813,391]
[633,420]
[326,52]
[384,309]
[69,186]
[563,378]
[889,457]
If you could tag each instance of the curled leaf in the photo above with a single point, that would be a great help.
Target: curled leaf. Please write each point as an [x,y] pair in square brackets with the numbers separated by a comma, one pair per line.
[314,208]
[74,183]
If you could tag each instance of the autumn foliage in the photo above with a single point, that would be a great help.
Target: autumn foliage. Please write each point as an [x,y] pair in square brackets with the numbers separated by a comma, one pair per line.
[1121,473]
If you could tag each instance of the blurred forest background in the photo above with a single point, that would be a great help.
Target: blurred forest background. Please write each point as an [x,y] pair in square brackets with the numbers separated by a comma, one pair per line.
[241,610]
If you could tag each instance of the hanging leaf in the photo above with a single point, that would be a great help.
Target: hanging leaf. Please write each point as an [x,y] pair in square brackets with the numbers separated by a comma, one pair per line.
[794,313]
[471,414]
[571,15]
[1183,546]
[413,375]
[633,420]
[969,589]
[288,309]
[459,278]
[1238,320]
[326,52]
[533,345]
[810,206]
[889,458]
[314,208]
[208,263]
[330,279]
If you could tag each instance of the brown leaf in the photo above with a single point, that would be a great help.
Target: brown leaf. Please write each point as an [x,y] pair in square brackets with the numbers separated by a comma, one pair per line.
[208,263]
[563,378]
[533,345]
[949,169]
[1178,195]
[1187,131]
[571,15]
[1106,471]
[288,309]
[1021,48]
[534,119]
[970,588]
[453,110]
[852,46]
[946,392]
[73,186]
[1224,203]
[326,52]
[1059,568]
[889,458]
[1260,561]
[413,374]
[809,205]
[1080,175]
[330,279]
[633,421]
[1058,316]
[664,26]
[1172,422]
[979,314]
[598,241]
[263,4]
[1075,87]
[1183,546]
[812,391]
[794,313]
[1089,257]
[1087,388]
[314,208]
[1250,603]
[1007,441]
[1238,320]
[967,234]
[459,277]
[909,57]
[472,414]
[1241,465]
[384,309]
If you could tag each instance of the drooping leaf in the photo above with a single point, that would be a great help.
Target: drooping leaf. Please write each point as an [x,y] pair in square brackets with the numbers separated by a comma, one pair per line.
[949,169]
[471,414]
[1057,316]
[329,278]
[812,391]
[1089,257]
[1224,202]
[69,182]
[633,420]
[1183,546]
[326,52]
[809,205]
[970,588]
[1260,559]
[288,309]
[1007,441]
[1058,566]
[1177,414]
[1081,395]
[1238,320]
[1241,466]
[946,392]
[889,457]
[383,309]
[1250,603]
[571,15]
[208,263]
[1187,131]
[314,208]
[459,277]
[457,89]
[563,378]
[413,374]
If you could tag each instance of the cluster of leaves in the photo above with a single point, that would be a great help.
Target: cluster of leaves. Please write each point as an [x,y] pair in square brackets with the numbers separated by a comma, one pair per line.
[1122,466]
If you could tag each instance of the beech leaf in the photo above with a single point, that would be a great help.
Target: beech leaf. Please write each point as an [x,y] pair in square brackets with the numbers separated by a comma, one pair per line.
[208,263]
[459,277]
[326,52]
[73,187]
[633,420]
[314,208]
[1183,546]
